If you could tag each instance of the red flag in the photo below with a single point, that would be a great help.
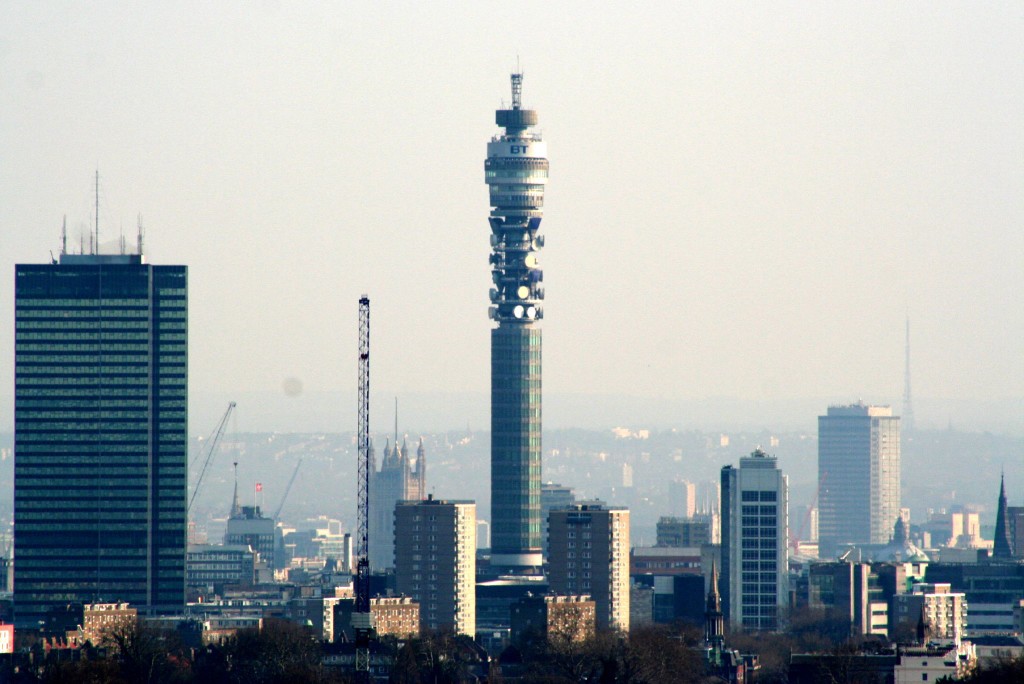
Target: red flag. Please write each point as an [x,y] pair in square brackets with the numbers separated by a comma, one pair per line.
[259,486]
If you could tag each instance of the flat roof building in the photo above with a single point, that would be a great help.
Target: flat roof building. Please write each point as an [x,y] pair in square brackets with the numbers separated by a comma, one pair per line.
[435,561]
[755,543]
[100,434]
[589,554]
[858,476]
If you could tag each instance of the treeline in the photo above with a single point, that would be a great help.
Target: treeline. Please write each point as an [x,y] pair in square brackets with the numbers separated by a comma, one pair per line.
[286,653]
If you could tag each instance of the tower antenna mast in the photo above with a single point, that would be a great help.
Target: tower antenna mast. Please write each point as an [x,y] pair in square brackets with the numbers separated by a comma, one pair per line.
[908,406]
[96,250]
[362,620]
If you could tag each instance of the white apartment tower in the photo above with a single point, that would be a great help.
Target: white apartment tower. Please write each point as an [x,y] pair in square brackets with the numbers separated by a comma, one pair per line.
[858,476]
[588,546]
[435,561]
[755,548]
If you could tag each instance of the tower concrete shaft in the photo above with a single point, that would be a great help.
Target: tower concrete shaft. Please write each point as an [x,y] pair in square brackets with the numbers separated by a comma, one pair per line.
[516,171]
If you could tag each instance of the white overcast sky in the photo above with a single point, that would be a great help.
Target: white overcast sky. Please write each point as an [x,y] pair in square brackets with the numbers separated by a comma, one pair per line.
[746,199]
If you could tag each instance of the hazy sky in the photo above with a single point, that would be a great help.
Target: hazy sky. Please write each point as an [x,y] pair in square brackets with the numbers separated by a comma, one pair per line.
[746,199]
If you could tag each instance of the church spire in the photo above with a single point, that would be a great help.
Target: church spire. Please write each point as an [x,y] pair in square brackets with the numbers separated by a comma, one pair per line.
[714,621]
[1001,547]
[421,469]
[236,509]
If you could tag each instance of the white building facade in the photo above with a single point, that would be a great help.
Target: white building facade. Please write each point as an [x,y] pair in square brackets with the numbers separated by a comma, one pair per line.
[755,548]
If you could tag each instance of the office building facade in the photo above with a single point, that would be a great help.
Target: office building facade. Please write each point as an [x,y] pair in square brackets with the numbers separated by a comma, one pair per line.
[247,526]
[858,476]
[516,171]
[682,532]
[755,542]
[589,554]
[435,563]
[100,434]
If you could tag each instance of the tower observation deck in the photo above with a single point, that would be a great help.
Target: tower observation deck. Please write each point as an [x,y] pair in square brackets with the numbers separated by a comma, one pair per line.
[516,171]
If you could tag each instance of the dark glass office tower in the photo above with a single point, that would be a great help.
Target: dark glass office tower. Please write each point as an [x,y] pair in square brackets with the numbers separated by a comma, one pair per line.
[100,434]
[516,172]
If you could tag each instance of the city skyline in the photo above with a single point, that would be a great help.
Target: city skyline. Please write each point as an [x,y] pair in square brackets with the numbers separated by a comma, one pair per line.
[737,193]
[752,206]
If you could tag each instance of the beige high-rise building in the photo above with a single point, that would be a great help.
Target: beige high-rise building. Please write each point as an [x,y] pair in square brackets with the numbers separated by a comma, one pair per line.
[588,545]
[435,561]
[858,476]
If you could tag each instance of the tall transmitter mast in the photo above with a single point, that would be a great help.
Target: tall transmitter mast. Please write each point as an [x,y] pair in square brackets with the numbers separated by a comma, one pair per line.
[516,171]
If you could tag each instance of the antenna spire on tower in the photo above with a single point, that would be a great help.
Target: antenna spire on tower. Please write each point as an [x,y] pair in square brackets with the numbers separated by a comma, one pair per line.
[517,89]
[64,236]
[908,406]
[96,249]
[139,236]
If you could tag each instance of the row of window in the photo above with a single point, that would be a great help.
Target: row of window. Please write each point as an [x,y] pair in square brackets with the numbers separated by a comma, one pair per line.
[30,336]
[61,326]
[509,173]
[167,445]
[80,302]
[49,352]
[90,410]
[754,521]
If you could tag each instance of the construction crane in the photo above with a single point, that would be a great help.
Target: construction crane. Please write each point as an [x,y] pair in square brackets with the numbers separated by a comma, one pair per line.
[362,619]
[211,446]
[287,489]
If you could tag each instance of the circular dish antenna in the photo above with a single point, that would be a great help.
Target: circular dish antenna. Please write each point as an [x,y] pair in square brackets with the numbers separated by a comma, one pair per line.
[523,292]
[531,312]
[518,311]
[530,261]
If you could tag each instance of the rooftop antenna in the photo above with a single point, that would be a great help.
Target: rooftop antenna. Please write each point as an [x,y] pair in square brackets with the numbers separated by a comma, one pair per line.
[396,422]
[517,89]
[97,248]
[64,236]
[138,239]
[121,226]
